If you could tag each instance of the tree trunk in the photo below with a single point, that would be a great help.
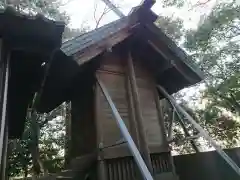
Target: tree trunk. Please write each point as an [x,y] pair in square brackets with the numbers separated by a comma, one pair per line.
[67,115]
[38,166]
[25,171]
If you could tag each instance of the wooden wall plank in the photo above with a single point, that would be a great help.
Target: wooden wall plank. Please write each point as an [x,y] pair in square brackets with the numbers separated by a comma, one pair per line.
[145,83]
[138,113]
[116,86]
[113,75]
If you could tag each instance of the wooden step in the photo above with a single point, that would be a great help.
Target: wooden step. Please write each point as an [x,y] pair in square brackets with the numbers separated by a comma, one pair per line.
[166,176]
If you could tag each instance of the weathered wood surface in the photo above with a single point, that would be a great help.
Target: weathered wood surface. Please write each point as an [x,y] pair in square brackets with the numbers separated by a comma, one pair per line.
[90,52]
[143,143]
[113,73]
[123,151]
[131,111]
[159,107]
[145,84]
[116,87]
[125,168]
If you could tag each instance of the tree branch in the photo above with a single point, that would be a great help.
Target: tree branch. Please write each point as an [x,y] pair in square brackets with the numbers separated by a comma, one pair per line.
[95,11]
[199,3]
[105,11]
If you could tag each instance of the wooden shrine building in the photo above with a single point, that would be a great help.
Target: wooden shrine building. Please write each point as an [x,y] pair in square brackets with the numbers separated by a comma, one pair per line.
[129,57]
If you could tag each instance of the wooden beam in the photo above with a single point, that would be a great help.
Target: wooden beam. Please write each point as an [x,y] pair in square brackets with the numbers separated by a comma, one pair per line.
[159,106]
[185,130]
[4,83]
[160,116]
[170,127]
[5,156]
[123,151]
[131,112]
[138,114]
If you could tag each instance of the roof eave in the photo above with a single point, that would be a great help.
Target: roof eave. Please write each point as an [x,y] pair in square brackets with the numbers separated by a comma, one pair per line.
[176,51]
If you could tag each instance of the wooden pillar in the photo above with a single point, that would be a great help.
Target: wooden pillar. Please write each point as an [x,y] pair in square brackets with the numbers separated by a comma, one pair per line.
[131,112]
[160,116]
[159,107]
[101,166]
[187,134]
[4,80]
[138,114]
[5,156]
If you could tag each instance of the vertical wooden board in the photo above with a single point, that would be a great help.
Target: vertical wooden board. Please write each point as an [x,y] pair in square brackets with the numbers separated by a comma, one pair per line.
[115,85]
[148,106]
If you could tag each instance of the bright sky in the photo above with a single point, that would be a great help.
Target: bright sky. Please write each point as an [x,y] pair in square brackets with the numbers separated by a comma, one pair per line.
[81,12]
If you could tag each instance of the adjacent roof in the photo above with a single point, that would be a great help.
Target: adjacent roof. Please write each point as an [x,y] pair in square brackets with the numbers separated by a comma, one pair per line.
[30,41]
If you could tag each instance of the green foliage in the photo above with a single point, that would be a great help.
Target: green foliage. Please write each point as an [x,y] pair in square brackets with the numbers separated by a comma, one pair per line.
[18,158]
[215,44]
[172,27]
[215,47]
[50,142]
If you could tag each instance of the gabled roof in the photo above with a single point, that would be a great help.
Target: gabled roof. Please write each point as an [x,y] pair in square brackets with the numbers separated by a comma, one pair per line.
[83,41]
[139,23]
[172,67]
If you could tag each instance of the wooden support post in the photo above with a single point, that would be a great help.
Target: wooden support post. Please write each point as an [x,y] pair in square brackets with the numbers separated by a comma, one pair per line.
[101,167]
[132,119]
[4,80]
[4,156]
[159,107]
[170,127]
[138,114]
[194,146]
[131,111]
[160,116]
